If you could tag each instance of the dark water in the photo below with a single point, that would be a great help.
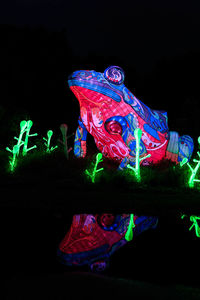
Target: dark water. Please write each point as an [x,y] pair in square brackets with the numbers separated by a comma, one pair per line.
[162,259]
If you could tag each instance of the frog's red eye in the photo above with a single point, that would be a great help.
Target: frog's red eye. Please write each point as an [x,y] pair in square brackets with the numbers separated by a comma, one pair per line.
[113,127]
[114,75]
[107,221]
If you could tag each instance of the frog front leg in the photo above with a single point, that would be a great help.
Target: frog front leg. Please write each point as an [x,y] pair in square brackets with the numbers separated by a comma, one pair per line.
[80,140]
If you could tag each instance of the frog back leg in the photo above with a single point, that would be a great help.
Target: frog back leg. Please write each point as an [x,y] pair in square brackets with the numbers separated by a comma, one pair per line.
[179,147]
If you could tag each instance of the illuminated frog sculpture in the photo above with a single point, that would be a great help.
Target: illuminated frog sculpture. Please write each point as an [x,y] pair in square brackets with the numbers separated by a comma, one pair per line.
[111,113]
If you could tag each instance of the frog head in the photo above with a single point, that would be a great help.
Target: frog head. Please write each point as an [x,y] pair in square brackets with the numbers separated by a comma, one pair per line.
[100,96]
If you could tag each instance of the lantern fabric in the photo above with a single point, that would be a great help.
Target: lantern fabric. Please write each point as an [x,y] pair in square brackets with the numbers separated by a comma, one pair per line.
[92,239]
[111,113]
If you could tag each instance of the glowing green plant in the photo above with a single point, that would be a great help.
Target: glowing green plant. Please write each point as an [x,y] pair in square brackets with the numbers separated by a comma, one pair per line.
[92,175]
[29,124]
[136,169]
[194,219]
[16,148]
[25,127]
[129,232]
[192,178]
[14,152]
[48,141]
[63,129]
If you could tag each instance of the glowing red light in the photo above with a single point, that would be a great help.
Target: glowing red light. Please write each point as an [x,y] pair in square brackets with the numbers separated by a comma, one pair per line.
[113,127]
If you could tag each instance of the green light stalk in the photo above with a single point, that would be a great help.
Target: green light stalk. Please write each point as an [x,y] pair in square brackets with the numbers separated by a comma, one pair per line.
[129,232]
[14,152]
[25,127]
[195,224]
[192,178]
[48,142]
[29,124]
[136,169]
[92,175]
[16,148]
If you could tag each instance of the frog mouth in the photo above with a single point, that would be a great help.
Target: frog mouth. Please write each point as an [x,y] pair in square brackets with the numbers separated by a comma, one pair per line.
[81,96]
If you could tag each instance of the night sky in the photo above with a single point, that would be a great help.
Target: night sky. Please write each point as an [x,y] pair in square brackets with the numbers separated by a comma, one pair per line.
[139,32]
[156,42]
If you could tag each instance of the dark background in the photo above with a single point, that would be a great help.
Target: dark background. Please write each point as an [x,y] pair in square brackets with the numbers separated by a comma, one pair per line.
[43,41]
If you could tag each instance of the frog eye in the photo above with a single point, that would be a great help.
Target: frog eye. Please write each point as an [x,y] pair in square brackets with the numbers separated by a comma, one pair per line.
[107,221]
[114,75]
[113,127]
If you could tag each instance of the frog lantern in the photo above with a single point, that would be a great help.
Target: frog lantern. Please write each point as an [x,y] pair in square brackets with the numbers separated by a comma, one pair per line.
[111,113]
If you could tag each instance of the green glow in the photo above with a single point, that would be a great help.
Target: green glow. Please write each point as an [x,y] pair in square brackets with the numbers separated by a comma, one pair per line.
[194,219]
[25,127]
[16,148]
[136,169]
[48,141]
[129,232]
[14,152]
[184,161]
[29,124]
[183,216]
[92,175]
[193,171]
[195,224]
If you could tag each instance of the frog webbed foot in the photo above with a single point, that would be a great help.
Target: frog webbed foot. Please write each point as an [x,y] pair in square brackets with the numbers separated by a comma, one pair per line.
[186,147]
[179,147]
[125,162]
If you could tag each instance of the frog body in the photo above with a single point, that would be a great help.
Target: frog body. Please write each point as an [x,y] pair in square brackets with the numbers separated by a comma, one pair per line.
[111,113]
